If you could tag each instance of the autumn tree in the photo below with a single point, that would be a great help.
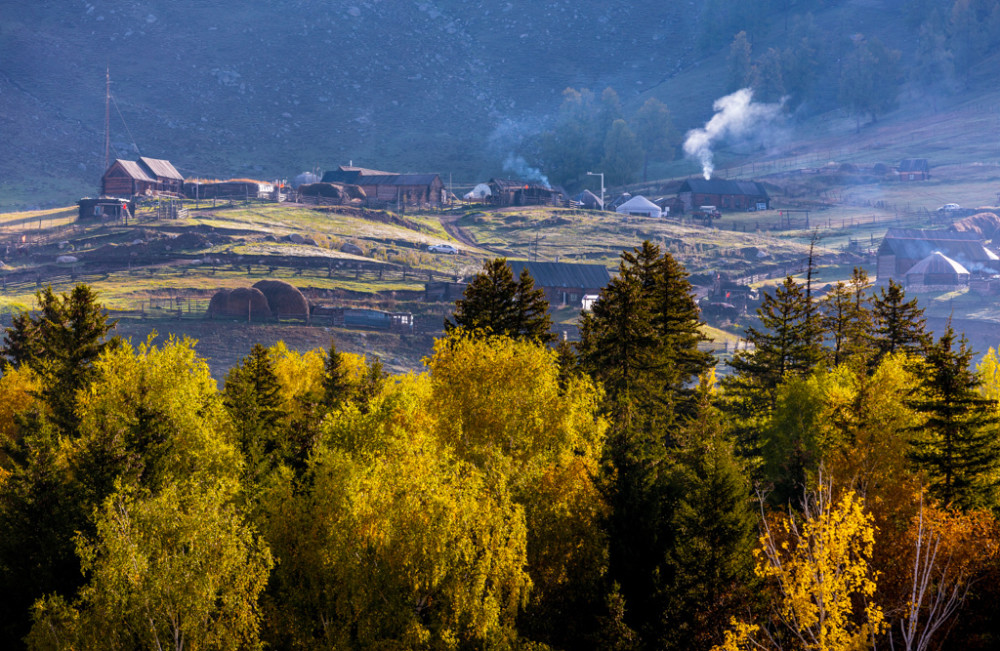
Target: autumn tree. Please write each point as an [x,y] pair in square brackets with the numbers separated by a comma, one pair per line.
[817,567]
[178,569]
[496,303]
[870,79]
[623,154]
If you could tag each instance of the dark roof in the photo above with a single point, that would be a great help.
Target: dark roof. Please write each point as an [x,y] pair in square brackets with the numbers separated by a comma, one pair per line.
[916,244]
[914,165]
[514,184]
[723,186]
[133,169]
[362,176]
[563,274]
[161,168]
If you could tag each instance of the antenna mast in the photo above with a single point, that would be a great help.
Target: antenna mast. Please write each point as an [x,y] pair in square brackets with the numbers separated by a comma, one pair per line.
[107,115]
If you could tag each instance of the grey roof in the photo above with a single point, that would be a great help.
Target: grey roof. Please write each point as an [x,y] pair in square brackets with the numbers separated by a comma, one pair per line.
[161,168]
[414,179]
[937,263]
[505,184]
[916,244]
[914,165]
[563,274]
[723,186]
[134,170]
[361,176]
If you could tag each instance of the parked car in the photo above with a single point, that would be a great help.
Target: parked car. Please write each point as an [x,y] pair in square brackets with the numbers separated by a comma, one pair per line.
[949,207]
[442,248]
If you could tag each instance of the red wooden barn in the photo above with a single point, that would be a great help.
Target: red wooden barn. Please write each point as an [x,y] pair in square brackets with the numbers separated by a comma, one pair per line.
[145,176]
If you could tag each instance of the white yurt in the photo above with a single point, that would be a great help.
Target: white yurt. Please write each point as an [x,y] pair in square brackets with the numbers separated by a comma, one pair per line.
[641,206]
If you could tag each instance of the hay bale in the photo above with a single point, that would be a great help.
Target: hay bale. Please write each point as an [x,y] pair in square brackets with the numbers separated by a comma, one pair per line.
[328,190]
[284,299]
[237,303]
[985,225]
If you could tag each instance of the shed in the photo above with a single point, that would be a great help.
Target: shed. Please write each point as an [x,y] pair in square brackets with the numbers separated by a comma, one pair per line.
[105,208]
[723,194]
[639,206]
[937,270]
[564,283]
[914,169]
[390,187]
[231,188]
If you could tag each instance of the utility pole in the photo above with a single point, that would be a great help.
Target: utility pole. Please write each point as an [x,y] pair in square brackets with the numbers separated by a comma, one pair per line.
[107,117]
[600,174]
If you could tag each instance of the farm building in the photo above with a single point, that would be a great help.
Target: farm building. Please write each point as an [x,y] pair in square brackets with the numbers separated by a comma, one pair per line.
[390,187]
[564,283]
[937,271]
[145,176]
[902,248]
[105,208]
[639,206]
[914,169]
[230,189]
[510,192]
[723,194]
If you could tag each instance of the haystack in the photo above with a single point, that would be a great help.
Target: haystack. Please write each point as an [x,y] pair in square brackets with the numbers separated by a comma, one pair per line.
[284,299]
[985,225]
[242,303]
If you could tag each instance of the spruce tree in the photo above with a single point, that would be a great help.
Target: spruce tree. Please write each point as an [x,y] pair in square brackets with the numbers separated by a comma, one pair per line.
[847,319]
[252,397]
[898,323]
[957,445]
[337,388]
[60,343]
[495,303]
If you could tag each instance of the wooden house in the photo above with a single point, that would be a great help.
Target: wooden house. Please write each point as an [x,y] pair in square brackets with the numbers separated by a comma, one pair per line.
[127,178]
[914,169]
[723,194]
[168,179]
[902,248]
[511,192]
[564,283]
[937,271]
[145,176]
[387,188]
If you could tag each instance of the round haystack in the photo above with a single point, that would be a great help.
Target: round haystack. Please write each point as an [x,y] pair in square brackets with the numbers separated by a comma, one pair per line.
[284,299]
[985,225]
[240,303]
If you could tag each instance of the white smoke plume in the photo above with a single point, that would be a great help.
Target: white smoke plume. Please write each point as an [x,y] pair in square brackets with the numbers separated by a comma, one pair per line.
[736,117]
[517,165]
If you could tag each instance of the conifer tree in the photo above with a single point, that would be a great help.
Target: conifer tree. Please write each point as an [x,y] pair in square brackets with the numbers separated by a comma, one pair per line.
[958,443]
[60,343]
[898,323]
[337,389]
[252,397]
[847,318]
[496,303]
[784,346]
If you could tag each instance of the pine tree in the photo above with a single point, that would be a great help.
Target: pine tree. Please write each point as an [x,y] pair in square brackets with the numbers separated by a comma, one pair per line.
[60,343]
[898,323]
[371,385]
[495,303]
[958,443]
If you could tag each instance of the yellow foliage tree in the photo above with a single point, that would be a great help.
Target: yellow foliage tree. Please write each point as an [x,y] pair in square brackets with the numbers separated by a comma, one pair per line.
[818,566]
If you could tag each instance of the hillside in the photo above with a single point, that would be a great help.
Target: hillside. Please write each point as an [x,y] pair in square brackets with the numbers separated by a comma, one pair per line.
[448,86]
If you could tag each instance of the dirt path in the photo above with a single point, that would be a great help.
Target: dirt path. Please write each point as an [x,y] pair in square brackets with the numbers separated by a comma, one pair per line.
[450,225]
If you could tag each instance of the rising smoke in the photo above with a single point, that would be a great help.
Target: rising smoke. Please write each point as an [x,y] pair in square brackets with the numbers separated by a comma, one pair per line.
[524,172]
[736,117]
